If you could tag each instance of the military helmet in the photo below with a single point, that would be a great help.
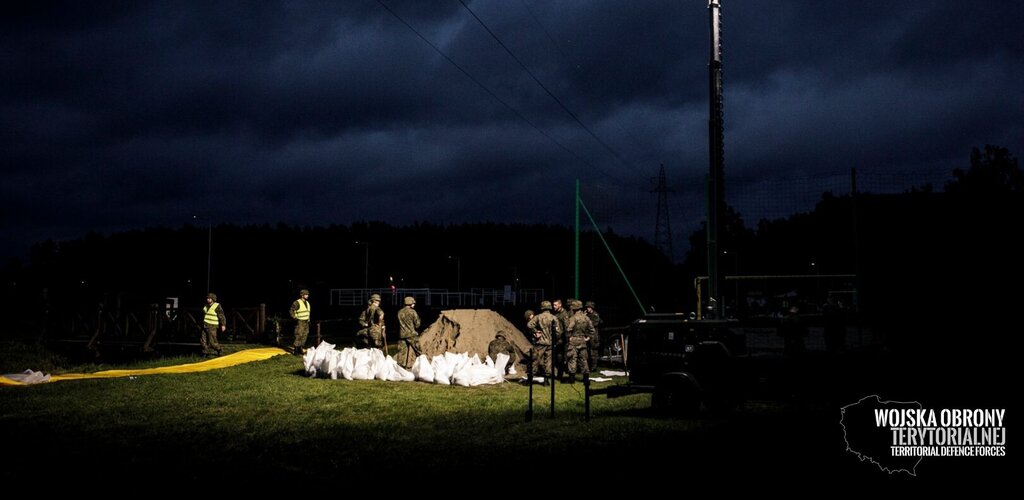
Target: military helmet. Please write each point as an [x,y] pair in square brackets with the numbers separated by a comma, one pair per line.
[409,301]
[589,303]
[212,296]
[375,296]
[500,335]
[575,305]
[528,314]
[545,305]
[303,292]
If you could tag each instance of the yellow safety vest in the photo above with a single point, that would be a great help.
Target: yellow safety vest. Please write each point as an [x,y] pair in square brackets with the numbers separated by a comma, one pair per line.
[211,314]
[302,314]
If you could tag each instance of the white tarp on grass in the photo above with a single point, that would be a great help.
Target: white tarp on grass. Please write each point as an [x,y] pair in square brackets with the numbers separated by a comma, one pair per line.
[368,364]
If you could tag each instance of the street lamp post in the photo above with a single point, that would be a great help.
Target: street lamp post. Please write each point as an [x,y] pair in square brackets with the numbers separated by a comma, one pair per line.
[458,271]
[209,246]
[366,263]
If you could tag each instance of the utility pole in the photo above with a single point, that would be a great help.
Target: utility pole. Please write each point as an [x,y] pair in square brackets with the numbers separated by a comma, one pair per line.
[716,150]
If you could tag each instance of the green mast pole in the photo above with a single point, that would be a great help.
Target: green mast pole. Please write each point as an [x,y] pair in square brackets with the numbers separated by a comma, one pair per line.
[576,256]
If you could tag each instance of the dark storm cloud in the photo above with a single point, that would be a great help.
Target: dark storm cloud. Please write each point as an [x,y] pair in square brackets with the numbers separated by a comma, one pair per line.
[124,115]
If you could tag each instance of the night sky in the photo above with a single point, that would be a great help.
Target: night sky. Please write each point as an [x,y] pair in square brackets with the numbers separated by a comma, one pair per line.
[123,115]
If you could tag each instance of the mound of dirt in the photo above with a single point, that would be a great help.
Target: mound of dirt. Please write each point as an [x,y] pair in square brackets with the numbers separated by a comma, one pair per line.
[470,330]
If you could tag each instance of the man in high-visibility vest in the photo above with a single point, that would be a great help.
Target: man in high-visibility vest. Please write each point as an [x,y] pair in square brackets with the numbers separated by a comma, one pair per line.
[213,320]
[300,313]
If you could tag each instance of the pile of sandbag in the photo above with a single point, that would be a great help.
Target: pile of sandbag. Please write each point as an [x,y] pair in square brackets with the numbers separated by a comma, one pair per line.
[368,364]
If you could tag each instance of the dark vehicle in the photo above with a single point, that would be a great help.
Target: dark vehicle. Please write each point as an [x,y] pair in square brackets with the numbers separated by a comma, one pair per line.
[685,363]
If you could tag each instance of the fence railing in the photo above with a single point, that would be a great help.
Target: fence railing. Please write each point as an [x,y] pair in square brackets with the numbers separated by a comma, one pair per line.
[439,297]
[151,326]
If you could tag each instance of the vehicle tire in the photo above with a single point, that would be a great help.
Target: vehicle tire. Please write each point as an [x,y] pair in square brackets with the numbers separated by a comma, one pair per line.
[676,397]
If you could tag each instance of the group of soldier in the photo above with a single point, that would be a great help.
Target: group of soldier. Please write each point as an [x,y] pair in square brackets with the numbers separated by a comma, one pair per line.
[373,334]
[564,342]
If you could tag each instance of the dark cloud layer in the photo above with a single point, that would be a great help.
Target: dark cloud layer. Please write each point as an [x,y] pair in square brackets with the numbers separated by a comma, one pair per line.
[126,115]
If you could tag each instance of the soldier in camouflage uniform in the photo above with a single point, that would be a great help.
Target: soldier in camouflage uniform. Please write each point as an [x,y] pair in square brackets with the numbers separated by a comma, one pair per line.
[594,345]
[409,340]
[300,313]
[558,343]
[372,321]
[213,320]
[501,345]
[542,329]
[579,332]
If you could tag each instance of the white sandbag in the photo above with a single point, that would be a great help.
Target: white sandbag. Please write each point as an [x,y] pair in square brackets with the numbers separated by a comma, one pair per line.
[348,362]
[442,371]
[384,368]
[482,375]
[457,361]
[378,364]
[464,376]
[474,374]
[332,365]
[307,363]
[422,370]
[321,352]
[28,377]
[399,374]
[501,361]
[361,366]
[489,373]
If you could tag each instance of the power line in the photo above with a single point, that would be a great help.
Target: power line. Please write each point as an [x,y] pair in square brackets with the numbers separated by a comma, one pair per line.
[549,93]
[484,87]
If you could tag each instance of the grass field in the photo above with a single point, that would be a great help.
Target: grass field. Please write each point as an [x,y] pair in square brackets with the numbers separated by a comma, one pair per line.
[266,420]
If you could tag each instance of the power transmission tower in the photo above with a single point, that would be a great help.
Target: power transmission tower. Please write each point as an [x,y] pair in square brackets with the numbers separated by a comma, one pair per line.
[662,226]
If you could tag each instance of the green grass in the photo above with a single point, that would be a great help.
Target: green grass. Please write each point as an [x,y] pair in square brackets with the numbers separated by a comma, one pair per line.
[266,420]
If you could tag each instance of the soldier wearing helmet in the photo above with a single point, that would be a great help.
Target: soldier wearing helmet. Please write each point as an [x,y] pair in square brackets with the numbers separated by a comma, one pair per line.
[558,343]
[594,344]
[372,321]
[409,339]
[501,345]
[213,319]
[578,332]
[300,313]
[542,329]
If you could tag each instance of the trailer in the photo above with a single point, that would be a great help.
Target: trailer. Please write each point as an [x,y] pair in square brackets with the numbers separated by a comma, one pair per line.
[685,363]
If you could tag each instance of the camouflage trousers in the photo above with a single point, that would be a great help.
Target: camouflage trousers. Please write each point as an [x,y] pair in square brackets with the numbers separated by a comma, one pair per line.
[301,332]
[371,337]
[542,360]
[208,339]
[576,356]
[408,350]
[376,337]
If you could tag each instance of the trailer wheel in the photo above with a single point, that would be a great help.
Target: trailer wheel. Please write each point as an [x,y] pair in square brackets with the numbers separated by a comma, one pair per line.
[677,397]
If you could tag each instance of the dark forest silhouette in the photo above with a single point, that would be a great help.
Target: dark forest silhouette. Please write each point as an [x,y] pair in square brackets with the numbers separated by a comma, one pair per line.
[936,269]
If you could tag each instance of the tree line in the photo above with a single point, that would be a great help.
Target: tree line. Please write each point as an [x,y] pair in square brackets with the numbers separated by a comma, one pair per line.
[927,260]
